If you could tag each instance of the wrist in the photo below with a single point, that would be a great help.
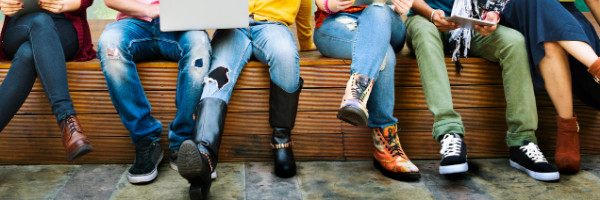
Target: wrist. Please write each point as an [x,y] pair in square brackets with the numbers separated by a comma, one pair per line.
[432,13]
[327,9]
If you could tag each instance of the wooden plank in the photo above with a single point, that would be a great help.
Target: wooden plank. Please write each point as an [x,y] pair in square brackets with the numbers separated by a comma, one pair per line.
[321,99]
[121,150]
[110,125]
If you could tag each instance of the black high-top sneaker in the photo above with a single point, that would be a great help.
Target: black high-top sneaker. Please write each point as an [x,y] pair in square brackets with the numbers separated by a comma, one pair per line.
[454,155]
[529,158]
[148,154]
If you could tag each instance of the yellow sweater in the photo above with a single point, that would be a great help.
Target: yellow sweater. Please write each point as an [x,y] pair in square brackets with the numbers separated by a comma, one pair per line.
[286,11]
[566,0]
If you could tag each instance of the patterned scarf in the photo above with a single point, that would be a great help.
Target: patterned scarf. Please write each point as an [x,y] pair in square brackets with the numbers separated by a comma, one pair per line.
[460,39]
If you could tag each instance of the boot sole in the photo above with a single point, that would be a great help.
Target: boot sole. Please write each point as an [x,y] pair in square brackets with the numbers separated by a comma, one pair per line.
[189,163]
[80,151]
[540,176]
[353,115]
[401,176]
[286,174]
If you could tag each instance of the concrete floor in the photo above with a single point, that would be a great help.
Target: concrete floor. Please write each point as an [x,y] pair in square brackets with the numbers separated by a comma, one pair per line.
[486,179]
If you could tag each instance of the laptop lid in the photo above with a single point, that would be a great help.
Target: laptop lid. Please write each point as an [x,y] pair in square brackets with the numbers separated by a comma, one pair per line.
[185,15]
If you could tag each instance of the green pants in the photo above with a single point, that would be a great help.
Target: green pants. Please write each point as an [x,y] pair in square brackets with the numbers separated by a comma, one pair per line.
[506,46]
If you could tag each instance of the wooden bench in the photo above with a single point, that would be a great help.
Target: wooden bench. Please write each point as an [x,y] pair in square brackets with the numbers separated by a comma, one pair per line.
[32,137]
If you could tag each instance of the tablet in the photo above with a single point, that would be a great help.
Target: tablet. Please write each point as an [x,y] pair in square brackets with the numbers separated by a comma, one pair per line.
[369,2]
[31,6]
[466,22]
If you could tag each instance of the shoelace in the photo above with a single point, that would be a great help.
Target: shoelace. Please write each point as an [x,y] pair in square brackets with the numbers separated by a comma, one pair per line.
[394,147]
[71,126]
[533,152]
[450,145]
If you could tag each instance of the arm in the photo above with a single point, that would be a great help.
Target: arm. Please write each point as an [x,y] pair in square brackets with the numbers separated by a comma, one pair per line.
[60,6]
[421,8]
[303,26]
[133,8]
[594,6]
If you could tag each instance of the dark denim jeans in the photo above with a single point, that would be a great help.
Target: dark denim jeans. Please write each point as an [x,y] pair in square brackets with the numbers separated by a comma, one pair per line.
[131,40]
[38,44]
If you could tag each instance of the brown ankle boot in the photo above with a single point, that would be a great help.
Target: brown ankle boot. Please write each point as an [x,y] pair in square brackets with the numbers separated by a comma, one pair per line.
[594,69]
[567,145]
[73,138]
[354,103]
[389,157]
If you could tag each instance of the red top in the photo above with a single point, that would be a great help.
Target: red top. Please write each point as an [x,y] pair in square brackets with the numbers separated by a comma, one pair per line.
[321,15]
[79,19]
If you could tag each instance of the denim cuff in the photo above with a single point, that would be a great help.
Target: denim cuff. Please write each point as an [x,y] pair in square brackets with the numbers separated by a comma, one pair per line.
[448,126]
[516,139]
[64,115]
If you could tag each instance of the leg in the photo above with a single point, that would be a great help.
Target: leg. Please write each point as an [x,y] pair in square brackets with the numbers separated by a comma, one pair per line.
[197,157]
[40,30]
[116,49]
[17,84]
[580,50]
[555,66]
[192,50]
[426,41]
[507,47]
[274,44]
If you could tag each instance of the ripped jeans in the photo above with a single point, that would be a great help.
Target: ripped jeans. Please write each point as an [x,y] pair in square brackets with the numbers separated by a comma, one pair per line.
[132,40]
[270,42]
[371,38]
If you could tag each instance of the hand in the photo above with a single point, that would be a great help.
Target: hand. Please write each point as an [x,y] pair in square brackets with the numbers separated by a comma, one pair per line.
[441,23]
[10,7]
[339,5]
[153,12]
[402,6]
[54,6]
[486,30]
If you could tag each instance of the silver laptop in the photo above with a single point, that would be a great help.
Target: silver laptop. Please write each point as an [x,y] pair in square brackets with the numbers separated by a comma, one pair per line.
[368,2]
[185,15]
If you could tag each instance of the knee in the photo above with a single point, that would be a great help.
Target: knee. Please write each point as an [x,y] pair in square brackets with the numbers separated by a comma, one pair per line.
[196,43]
[41,20]
[553,50]
[25,52]
[379,12]
[112,45]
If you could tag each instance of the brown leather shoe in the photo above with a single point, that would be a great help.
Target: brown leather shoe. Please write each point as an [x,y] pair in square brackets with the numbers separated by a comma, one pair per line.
[73,138]
[567,145]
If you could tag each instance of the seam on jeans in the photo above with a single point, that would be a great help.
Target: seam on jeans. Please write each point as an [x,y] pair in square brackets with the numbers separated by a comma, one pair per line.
[28,29]
[40,74]
[136,41]
[172,42]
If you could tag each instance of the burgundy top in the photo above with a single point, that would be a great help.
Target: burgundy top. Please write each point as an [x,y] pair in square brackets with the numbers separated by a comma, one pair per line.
[79,19]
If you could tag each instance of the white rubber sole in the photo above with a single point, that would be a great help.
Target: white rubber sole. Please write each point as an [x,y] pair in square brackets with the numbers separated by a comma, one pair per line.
[213,175]
[453,169]
[551,176]
[143,178]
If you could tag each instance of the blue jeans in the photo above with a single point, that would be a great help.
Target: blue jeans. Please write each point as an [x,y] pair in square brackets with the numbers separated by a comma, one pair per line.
[270,42]
[131,40]
[371,38]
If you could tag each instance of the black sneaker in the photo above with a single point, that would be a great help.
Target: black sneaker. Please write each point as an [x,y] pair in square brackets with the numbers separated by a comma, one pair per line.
[148,155]
[454,155]
[529,158]
[173,160]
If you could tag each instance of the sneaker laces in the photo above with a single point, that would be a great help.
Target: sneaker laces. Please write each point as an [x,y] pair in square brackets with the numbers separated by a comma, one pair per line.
[393,144]
[451,145]
[533,152]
